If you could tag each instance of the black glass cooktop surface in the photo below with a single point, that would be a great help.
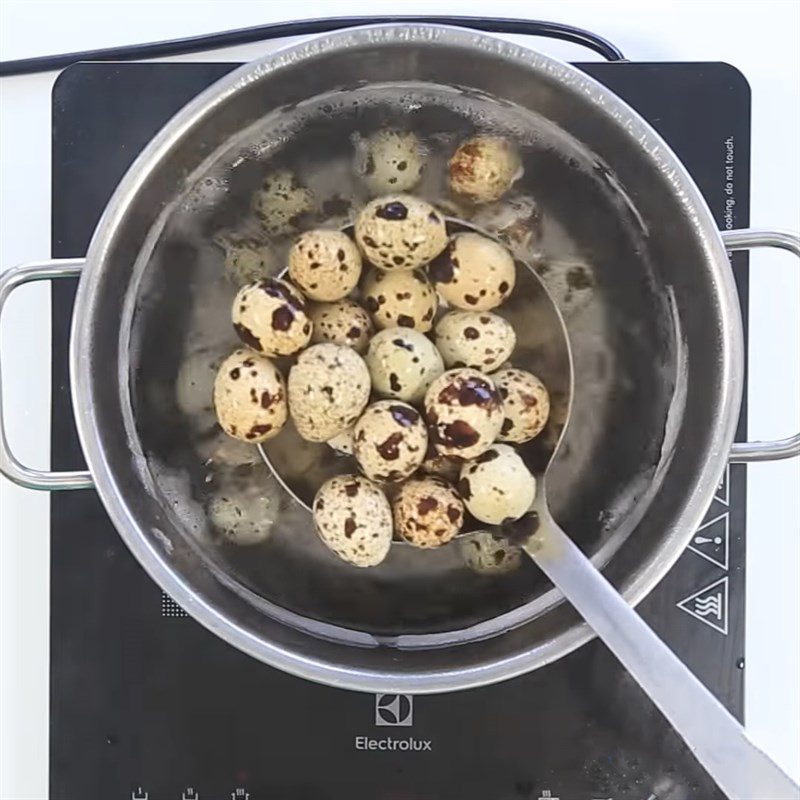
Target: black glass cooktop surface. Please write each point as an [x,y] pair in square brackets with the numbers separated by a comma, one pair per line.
[145,703]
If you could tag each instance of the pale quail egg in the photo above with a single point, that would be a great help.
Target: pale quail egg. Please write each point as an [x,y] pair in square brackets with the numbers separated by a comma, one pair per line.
[250,397]
[483,168]
[473,272]
[390,161]
[221,451]
[390,440]
[405,299]
[489,554]
[270,316]
[526,405]
[342,442]
[328,389]
[427,512]
[403,363]
[326,265]
[497,487]
[478,339]
[464,413]
[248,260]
[353,518]
[194,384]
[280,202]
[343,322]
[398,232]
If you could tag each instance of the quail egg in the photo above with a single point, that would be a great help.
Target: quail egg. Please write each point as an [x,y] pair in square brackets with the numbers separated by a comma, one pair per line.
[248,260]
[483,168]
[398,232]
[515,221]
[353,518]
[489,554]
[326,265]
[569,282]
[403,363]
[270,316]
[250,397]
[280,201]
[526,405]
[464,412]
[473,273]
[427,512]
[478,339]
[343,322]
[440,466]
[328,389]
[405,299]
[497,487]
[194,384]
[390,161]
[389,441]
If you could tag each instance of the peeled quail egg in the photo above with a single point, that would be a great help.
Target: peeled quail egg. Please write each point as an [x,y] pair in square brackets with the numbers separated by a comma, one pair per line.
[326,265]
[390,440]
[478,339]
[353,518]
[483,168]
[328,389]
[526,405]
[473,273]
[405,299]
[280,201]
[398,232]
[270,316]
[403,363]
[390,161]
[489,554]
[497,486]
[250,397]
[343,322]
[427,512]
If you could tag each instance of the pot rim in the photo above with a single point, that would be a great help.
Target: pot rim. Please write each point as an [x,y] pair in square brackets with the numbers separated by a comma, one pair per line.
[641,136]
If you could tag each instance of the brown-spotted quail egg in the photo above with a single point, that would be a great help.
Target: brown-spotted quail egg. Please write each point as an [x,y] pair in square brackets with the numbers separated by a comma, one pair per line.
[427,512]
[478,339]
[250,397]
[526,405]
[464,412]
[390,441]
[403,363]
[569,282]
[342,442]
[390,161]
[496,486]
[270,316]
[249,260]
[280,202]
[483,168]
[398,232]
[405,299]
[326,265]
[328,389]
[343,322]
[489,554]
[515,221]
[473,273]
[354,519]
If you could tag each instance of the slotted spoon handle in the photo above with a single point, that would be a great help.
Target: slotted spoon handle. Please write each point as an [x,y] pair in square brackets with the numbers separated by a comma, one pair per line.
[715,737]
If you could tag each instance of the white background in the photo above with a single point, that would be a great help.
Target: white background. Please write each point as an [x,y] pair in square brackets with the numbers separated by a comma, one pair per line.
[760,38]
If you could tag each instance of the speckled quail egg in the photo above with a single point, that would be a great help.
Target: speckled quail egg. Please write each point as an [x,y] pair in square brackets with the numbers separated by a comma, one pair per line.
[398,232]
[390,441]
[403,363]
[326,265]
[354,519]
[280,202]
[405,299]
[489,553]
[444,467]
[483,168]
[478,339]
[497,486]
[473,273]
[569,282]
[390,161]
[342,442]
[222,451]
[270,316]
[464,412]
[515,221]
[250,397]
[427,512]
[248,260]
[343,322]
[526,405]
[328,389]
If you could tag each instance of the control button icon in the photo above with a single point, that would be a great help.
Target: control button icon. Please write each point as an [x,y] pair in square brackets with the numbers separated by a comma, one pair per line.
[240,794]
[139,794]
[190,794]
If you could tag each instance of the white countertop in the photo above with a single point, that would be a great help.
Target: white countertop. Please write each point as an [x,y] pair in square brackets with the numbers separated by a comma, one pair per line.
[760,39]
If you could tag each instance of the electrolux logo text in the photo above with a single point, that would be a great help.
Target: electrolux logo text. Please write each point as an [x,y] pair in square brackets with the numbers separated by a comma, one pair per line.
[395,711]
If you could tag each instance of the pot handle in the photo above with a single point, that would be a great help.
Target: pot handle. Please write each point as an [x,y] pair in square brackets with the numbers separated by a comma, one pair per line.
[9,465]
[747,239]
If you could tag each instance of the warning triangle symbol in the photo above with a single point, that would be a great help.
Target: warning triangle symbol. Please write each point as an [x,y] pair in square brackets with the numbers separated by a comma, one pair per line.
[711,540]
[709,605]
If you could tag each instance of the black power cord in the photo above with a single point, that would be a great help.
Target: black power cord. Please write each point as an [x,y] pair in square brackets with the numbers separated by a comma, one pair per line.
[215,41]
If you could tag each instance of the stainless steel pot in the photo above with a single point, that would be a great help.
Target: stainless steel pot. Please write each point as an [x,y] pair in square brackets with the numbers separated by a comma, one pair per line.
[659,368]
